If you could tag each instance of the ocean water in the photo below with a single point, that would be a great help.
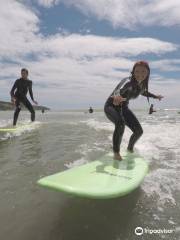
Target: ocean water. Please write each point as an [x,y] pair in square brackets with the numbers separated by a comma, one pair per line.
[61,140]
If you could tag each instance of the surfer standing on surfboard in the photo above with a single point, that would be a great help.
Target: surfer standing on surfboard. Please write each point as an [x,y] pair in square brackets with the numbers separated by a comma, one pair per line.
[18,95]
[116,106]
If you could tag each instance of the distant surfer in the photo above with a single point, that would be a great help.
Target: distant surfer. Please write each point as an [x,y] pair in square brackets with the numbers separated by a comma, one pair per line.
[18,95]
[151,109]
[43,110]
[91,110]
[116,106]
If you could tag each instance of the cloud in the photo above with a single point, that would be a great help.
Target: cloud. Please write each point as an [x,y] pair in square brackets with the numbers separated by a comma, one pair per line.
[86,68]
[18,28]
[21,38]
[48,3]
[167,65]
[126,13]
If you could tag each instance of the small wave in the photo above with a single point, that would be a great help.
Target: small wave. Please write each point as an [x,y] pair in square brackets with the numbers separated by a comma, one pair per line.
[23,127]
[76,163]
[171,109]
[98,125]
[84,149]
[163,184]
[4,123]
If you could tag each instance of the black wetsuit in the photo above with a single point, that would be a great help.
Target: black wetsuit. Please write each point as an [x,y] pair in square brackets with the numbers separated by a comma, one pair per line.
[121,115]
[151,110]
[90,110]
[19,92]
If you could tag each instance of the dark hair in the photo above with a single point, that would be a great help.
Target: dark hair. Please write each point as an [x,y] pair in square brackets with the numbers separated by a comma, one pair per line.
[145,82]
[24,70]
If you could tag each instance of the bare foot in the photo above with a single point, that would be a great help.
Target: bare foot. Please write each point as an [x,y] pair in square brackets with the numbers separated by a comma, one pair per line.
[117,156]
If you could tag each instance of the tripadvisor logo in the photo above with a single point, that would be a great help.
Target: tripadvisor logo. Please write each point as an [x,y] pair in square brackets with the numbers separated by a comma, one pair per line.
[139,231]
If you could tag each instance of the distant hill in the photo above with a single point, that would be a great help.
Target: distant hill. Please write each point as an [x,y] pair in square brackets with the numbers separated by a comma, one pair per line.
[4,106]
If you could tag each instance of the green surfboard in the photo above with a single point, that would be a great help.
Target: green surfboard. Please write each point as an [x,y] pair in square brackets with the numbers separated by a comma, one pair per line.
[100,179]
[14,129]
[8,129]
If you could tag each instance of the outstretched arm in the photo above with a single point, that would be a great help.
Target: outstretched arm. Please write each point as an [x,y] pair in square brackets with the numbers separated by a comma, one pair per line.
[148,94]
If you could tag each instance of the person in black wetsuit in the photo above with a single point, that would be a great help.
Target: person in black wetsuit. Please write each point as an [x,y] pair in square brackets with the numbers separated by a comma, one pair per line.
[18,95]
[151,109]
[90,110]
[116,106]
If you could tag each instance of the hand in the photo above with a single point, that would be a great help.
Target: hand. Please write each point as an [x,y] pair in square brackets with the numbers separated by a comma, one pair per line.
[159,97]
[35,102]
[117,100]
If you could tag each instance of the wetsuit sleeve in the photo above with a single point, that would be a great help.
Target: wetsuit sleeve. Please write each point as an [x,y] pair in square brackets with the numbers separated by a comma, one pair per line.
[13,89]
[148,94]
[30,91]
[120,88]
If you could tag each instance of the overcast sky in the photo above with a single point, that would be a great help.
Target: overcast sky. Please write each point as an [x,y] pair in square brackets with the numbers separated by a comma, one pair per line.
[77,51]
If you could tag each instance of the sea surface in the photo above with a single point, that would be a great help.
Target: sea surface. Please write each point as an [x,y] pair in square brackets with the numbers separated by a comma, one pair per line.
[61,140]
